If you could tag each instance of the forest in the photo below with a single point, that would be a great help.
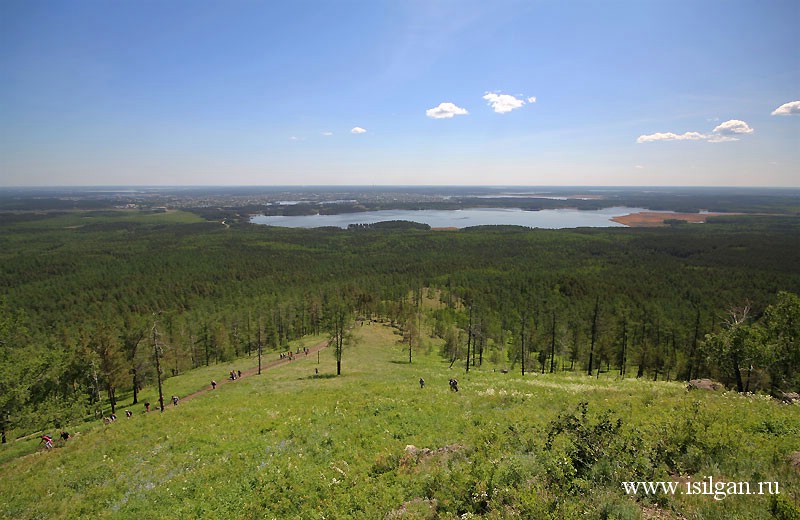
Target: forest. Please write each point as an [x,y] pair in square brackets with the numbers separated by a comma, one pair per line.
[93,301]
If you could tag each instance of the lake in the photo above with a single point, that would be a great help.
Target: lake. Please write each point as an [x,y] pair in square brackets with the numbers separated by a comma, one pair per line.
[548,218]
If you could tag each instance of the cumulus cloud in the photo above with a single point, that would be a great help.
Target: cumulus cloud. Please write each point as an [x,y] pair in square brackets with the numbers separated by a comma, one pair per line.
[445,111]
[733,127]
[787,109]
[669,136]
[729,131]
[358,130]
[722,133]
[503,103]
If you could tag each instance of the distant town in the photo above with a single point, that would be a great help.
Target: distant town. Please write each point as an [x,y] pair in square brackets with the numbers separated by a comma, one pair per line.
[236,202]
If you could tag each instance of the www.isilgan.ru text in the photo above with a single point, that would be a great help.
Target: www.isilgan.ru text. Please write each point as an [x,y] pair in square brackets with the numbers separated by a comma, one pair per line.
[717,489]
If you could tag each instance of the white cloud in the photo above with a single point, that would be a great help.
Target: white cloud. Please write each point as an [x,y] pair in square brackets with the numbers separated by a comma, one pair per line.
[715,138]
[445,111]
[358,130]
[733,127]
[532,99]
[722,133]
[327,134]
[787,109]
[503,103]
[669,136]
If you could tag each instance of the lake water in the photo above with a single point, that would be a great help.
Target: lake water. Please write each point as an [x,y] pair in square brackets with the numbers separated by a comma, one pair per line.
[548,219]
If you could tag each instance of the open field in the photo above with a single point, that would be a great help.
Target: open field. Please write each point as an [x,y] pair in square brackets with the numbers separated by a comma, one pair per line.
[658,218]
[293,443]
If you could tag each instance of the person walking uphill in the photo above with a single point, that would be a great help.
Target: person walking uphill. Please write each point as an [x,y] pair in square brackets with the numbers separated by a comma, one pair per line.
[453,385]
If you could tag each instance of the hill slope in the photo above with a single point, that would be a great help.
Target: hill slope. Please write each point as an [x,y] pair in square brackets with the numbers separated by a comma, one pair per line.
[292,443]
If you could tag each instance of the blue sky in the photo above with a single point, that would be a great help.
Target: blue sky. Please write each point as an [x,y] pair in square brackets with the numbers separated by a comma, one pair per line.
[400,92]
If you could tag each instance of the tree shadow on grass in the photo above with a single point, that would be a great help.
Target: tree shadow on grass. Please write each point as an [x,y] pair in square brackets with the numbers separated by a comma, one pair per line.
[318,376]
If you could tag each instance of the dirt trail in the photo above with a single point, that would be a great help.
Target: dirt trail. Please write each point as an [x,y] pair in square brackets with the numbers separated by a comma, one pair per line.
[253,371]
[167,406]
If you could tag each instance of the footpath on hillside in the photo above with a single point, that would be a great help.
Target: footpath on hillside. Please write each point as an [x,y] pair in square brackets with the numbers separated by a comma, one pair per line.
[264,366]
[253,371]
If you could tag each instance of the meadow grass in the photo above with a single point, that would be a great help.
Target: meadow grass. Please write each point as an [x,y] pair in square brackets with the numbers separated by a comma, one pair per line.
[299,442]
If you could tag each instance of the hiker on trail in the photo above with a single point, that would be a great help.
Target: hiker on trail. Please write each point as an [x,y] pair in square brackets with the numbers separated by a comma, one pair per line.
[47,441]
[128,414]
[421,383]
[147,406]
[65,436]
[453,385]
[174,400]
[238,374]
[112,417]
[213,384]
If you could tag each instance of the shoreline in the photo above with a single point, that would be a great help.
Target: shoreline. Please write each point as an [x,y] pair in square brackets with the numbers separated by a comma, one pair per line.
[657,218]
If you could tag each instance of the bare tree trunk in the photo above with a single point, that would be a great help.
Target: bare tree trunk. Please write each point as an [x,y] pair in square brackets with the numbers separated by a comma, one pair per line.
[259,349]
[157,353]
[692,354]
[469,336]
[135,386]
[522,336]
[112,399]
[553,345]
[622,359]
[594,334]
[737,372]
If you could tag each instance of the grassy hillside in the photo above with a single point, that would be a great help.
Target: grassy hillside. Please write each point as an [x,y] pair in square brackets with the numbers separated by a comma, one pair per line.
[292,443]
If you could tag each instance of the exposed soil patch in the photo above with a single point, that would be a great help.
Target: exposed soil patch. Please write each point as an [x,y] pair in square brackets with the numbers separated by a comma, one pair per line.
[417,509]
[794,460]
[418,453]
[656,219]
[705,384]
